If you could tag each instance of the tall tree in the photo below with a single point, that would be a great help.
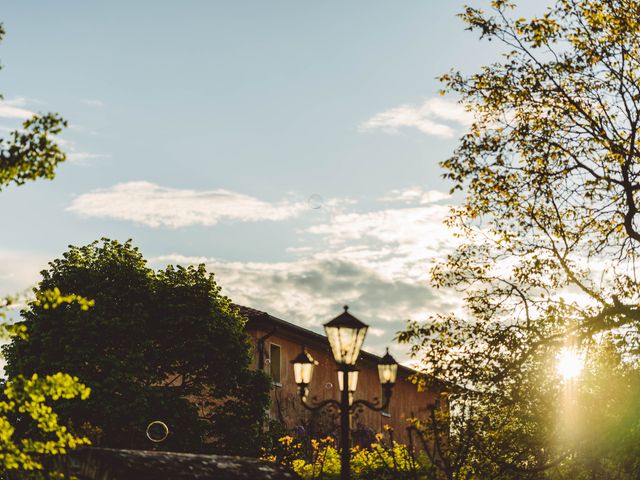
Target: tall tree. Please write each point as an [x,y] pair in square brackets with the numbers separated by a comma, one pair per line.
[550,222]
[160,345]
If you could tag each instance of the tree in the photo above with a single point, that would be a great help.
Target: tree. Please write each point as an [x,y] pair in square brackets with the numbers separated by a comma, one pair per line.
[160,345]
[549,225]
[32,154]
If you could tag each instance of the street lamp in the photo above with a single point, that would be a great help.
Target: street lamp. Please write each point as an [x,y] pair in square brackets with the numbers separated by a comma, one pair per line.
[303,368]
[387,372]
[346,335]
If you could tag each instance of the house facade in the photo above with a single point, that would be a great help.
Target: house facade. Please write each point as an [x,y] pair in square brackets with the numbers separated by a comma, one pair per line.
[277,342]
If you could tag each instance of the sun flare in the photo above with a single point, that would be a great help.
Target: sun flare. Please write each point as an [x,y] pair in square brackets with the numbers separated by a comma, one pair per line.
[570,363]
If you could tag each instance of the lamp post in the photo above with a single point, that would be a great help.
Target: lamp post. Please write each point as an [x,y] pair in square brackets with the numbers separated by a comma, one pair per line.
[346,335]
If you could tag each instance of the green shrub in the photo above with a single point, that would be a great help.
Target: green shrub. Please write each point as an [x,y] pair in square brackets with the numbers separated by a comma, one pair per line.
[383,459]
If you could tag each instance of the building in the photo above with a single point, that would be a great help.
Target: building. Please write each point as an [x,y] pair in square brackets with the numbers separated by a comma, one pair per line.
[277,342]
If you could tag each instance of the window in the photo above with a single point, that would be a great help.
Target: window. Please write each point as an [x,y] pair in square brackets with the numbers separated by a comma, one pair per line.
[274,364]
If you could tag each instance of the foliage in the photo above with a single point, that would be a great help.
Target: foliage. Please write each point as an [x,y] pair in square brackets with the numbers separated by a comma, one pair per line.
[600,417]
[242,416]
[28,396]
[31,153]
[30,400]
[162,345]
[381,460]
[549,241]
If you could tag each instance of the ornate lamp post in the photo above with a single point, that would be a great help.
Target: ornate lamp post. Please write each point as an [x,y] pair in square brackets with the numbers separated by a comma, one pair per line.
[346,335]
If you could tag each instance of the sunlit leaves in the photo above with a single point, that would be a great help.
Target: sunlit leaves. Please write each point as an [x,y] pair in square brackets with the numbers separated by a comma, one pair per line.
[551,175]
[383,459]
[31,153]
[33,397]
[53,298]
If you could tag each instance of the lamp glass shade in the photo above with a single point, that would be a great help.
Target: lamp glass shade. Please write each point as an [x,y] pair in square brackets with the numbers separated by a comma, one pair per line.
[346,335]
[303,366]
[353,380]
[387,369]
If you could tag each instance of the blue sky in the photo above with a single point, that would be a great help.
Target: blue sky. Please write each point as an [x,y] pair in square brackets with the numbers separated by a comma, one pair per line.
[292,146]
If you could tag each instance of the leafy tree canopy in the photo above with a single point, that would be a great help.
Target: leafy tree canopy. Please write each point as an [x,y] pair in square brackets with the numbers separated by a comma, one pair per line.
[550,231]
[31,153]
[162,345]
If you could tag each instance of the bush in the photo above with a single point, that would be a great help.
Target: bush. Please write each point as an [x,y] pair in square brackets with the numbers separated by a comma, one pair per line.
[383,459]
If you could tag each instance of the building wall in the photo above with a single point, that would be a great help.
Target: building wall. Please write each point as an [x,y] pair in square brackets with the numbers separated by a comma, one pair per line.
[286,406]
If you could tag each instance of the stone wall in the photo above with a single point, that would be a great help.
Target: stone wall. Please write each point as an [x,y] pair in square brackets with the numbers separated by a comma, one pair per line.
[111,464]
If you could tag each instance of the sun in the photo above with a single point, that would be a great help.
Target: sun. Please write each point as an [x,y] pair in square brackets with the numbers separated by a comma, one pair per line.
[570,363]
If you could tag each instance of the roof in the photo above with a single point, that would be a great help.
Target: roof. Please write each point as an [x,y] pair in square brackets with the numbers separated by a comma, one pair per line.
[305,336]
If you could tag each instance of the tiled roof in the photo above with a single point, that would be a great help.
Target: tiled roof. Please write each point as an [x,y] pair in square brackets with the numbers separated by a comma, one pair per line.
[255,316]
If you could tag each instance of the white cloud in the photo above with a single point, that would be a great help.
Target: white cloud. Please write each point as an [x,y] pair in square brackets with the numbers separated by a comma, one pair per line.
[428,118]
[376,261]
[15,109]
[92,103]
[311,290]
[411,230]
[400,243]
[84,158]
[156,206]
[415,196]
[392,244]
[76,156]
[19,270]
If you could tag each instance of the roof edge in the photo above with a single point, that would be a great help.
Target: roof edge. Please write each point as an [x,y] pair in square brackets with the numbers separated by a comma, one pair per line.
[256,316]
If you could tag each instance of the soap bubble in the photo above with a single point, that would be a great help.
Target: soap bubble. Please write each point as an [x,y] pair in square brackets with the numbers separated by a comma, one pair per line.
[157,431]
[315,201]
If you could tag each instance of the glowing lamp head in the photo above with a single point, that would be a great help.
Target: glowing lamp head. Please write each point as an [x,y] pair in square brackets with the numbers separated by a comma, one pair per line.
[303,366]
[346,335]
[387,369]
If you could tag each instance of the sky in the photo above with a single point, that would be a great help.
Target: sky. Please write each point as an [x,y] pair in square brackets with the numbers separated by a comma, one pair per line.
[291,146]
